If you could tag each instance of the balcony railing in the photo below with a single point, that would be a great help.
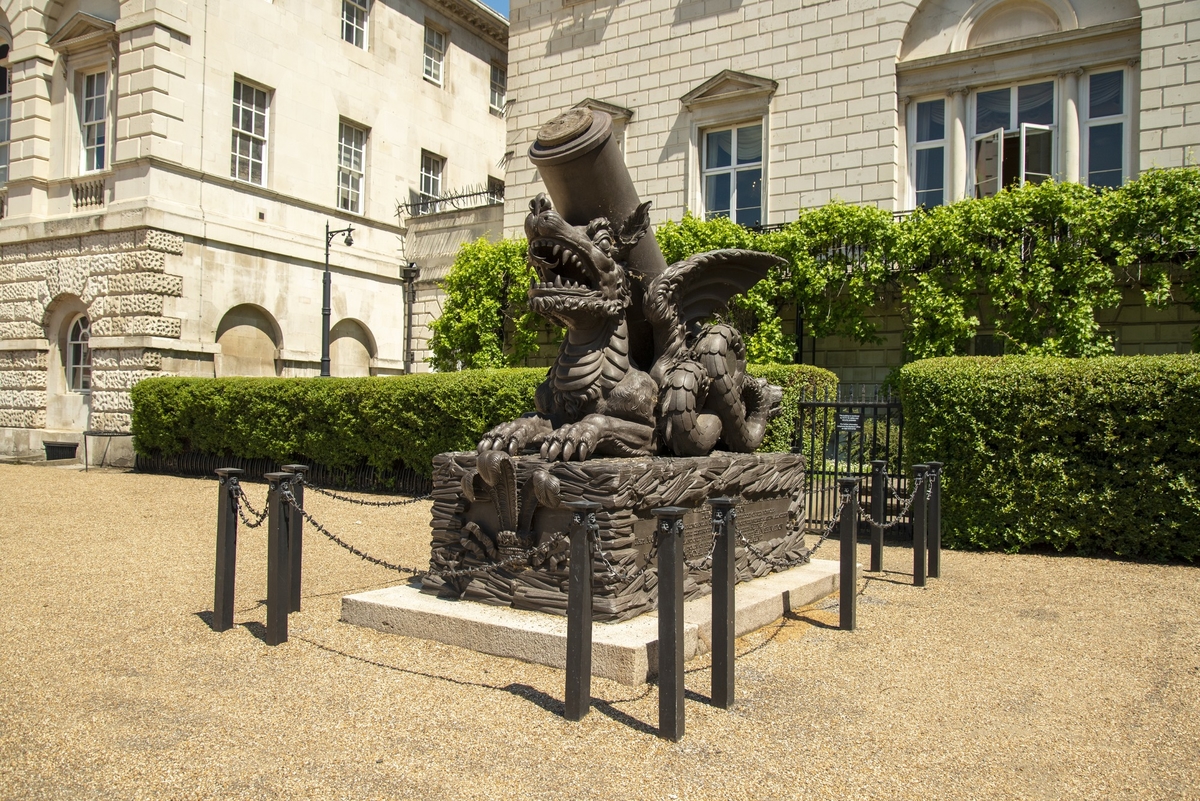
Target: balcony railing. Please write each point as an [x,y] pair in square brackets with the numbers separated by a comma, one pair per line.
[87,194]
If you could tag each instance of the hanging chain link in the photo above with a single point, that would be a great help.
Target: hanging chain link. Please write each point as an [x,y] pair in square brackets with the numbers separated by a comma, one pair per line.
[899,518]
[356,501]
[622,575]
[509,561]
[805,556]
[242,504]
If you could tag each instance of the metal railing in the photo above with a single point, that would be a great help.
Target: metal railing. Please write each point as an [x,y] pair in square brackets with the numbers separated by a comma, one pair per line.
[285,515]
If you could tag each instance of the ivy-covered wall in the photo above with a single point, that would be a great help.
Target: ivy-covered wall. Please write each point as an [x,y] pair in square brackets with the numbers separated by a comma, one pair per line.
[1046,269]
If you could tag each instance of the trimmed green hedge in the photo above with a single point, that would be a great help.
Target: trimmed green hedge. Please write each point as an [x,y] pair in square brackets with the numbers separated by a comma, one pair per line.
[385,422]
[1095,455]
[346,422]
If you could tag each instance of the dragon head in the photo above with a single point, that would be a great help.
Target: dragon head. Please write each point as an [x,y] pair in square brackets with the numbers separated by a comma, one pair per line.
[581,267]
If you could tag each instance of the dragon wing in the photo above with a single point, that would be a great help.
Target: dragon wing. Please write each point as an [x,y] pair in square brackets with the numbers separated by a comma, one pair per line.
[695,289]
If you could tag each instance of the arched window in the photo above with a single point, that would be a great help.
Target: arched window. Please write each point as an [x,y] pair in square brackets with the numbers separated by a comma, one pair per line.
[79,355]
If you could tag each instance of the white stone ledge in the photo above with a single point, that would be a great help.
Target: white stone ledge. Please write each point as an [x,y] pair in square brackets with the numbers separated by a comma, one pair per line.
[152,342]
[625,652]
[24,344]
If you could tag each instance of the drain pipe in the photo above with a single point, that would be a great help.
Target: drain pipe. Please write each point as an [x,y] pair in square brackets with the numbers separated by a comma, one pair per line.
[409,273]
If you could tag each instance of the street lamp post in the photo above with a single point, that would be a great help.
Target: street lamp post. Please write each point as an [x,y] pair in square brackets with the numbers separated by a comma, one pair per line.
[326,288]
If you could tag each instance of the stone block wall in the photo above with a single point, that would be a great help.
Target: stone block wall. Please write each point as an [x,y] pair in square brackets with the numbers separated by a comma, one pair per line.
[1170,83]
[836,125]
[123,280]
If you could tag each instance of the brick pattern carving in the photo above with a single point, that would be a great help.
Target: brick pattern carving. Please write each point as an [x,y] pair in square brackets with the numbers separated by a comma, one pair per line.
[122,278]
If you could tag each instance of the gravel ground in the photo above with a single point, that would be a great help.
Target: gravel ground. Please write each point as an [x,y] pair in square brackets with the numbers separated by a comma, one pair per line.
[1010,677]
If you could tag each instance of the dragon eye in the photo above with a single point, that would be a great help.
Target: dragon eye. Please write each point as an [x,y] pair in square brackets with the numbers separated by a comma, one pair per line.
[604,242]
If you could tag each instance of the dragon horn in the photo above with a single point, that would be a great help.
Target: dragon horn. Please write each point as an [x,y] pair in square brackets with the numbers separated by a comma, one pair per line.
[635,227]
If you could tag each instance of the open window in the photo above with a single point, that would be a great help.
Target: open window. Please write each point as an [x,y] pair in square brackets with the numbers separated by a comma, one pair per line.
[1037,153]
[1014,141]
[988,162]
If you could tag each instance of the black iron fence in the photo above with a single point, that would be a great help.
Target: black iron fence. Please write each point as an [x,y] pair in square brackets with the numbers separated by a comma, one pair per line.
[841,432]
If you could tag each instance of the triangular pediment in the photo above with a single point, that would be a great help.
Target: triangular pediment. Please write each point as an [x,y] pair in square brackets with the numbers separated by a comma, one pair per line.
[612,109]
[729,85]
[81,30]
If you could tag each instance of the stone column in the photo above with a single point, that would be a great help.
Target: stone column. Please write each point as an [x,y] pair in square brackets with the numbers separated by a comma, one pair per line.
[1069,126]
[958,146]
[904,178]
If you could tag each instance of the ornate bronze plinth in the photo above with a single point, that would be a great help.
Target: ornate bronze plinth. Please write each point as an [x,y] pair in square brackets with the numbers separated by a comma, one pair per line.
[485,511]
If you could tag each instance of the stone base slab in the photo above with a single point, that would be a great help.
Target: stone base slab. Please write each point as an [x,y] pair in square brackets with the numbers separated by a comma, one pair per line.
[626,652]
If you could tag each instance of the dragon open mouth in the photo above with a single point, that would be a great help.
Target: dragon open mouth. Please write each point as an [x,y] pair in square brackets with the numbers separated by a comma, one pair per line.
[559,267]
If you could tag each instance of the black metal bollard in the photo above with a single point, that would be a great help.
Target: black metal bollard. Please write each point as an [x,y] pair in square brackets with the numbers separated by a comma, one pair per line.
[226,571]
[296,530]
[578,695]
[878,511]
[848,569]
[670,621]
[278,560]
[935,520]
[920,523]
[724,518]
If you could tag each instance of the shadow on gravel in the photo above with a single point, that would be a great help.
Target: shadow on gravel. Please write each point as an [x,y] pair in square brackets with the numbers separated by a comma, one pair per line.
[805,617]
[256,629]
[903,582]
[524,691]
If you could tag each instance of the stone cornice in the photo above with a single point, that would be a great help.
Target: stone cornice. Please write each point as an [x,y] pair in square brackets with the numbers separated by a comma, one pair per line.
[475,15]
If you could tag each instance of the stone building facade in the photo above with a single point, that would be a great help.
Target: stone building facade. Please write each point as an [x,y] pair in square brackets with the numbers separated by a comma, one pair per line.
[144,234]
[756,109]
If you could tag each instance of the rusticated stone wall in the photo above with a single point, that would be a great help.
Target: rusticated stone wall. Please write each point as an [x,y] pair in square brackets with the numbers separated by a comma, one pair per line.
[123,280]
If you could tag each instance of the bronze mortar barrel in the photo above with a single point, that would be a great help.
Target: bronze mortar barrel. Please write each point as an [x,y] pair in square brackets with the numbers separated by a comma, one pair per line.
[586,177]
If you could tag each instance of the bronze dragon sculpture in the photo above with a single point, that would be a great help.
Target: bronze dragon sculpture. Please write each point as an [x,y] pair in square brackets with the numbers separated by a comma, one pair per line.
[596,400]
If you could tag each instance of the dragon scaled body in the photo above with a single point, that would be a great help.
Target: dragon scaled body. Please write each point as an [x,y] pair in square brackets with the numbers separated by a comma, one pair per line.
[596,400]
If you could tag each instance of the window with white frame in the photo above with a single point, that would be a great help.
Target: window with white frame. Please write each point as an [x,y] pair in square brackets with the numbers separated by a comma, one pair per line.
[731,173]
[352,147]
[354,22]
[79,355]
[928,156]
[249,159]
[1014,129]
[93,121]
[5,120]
[435,54]
[431,181]
[495,190]
[1107,126]
[499,89]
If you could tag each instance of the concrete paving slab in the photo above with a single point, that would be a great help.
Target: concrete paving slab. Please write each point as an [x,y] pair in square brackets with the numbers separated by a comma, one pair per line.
[626,652]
